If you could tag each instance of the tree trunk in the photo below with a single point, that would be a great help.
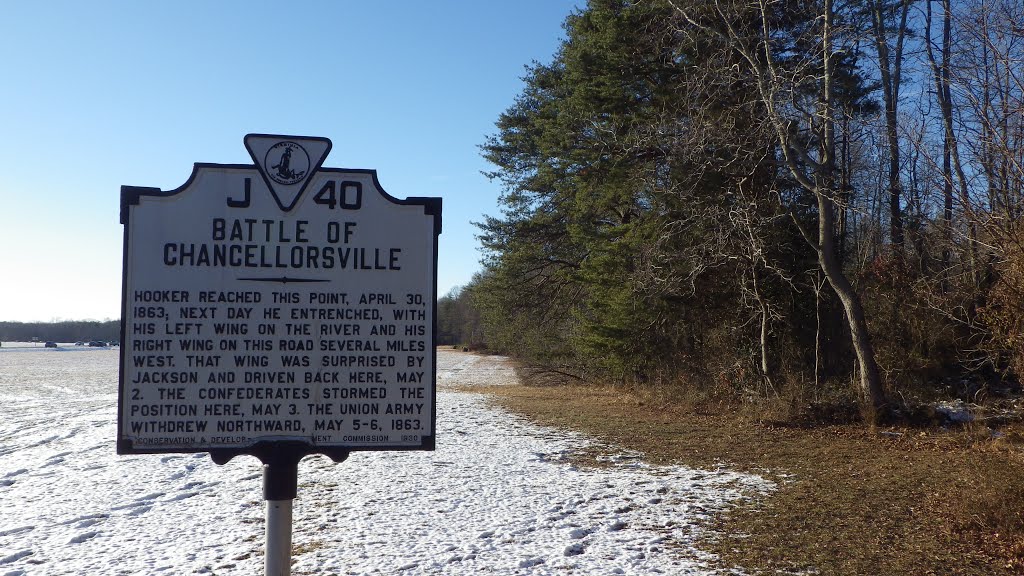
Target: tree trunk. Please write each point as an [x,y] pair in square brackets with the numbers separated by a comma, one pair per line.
[872,394]
[766,368]
[941,77]
[845,191]
[951,150]
[819,333]
[890,76]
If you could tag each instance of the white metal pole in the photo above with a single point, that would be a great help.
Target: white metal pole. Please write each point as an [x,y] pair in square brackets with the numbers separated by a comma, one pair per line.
[279,538]
[280,487]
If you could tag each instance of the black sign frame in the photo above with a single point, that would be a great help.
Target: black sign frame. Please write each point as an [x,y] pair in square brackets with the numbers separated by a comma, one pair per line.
[284,453]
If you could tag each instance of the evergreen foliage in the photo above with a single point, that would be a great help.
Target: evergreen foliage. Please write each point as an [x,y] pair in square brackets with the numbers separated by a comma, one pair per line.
[652,227]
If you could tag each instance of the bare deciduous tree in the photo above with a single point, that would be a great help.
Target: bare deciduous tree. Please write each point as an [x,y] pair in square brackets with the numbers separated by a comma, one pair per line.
[782,92]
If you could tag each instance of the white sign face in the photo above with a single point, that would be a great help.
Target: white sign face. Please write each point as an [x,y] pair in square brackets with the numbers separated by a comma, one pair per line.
[277,302]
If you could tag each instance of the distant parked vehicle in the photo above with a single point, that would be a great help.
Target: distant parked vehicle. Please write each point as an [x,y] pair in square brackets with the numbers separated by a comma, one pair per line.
[97,344]
[50,345]
[79,343]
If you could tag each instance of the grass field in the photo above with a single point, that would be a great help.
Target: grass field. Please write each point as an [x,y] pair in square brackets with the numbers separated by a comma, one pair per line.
[852,500]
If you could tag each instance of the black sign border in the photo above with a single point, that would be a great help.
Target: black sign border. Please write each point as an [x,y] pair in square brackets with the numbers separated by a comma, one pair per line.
[271,451]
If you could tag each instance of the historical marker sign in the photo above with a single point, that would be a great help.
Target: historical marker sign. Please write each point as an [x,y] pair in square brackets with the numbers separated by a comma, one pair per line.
[277,303]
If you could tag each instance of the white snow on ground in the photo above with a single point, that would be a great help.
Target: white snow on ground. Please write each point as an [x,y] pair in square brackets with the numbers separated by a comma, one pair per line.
[498,496]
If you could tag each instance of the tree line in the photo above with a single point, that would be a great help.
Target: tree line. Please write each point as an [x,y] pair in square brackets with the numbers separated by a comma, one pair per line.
[64,331]
[760,199]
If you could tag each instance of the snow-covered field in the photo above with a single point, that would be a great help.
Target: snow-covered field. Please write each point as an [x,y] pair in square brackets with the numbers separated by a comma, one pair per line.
[498,496]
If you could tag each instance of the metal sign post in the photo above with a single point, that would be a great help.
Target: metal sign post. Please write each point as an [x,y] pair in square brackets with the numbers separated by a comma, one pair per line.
[277,309]
[279,483]
[280,487]
[278,561]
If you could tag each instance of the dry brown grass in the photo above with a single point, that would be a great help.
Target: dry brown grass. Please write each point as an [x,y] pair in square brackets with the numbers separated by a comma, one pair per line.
[852,500]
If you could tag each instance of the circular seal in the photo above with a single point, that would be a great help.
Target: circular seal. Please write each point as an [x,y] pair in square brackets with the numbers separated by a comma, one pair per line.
[286,162]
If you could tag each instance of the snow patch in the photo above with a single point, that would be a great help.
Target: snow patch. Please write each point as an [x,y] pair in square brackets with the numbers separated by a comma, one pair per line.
[955,411]
[498,496]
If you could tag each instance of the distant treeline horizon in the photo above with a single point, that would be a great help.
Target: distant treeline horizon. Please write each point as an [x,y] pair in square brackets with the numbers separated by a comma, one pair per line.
[61,331]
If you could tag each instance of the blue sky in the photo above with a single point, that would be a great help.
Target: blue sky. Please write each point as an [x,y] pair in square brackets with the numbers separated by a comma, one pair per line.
[100,94]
